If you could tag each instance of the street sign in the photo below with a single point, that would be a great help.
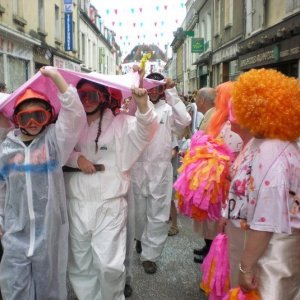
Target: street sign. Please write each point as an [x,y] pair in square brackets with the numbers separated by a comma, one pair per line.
[68,6]
[68,32]
[197,45]
[189,33]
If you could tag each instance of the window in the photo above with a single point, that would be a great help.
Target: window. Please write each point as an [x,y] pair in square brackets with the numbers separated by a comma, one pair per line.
[94,60]
[84,5]
[228,18]
[18,8]
[292,6]
[217,23]
[89,50]
[208,31]
[18,70]
[2,79]
[83,47]
[73,34]
[255,14]
[41,14]
[57,24]
[203,30]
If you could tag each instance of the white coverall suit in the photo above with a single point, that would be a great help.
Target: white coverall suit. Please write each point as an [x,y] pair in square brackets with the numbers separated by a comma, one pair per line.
[97,203]
[33,207]
[152,177]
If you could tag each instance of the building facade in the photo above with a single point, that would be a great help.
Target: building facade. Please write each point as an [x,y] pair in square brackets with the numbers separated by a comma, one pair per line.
[50,32]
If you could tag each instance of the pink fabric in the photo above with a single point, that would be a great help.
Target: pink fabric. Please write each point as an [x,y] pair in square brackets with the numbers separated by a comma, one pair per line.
[45,85]
[3,97]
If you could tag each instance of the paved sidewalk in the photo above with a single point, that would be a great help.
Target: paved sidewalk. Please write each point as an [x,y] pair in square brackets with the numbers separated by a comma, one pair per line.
[178,276]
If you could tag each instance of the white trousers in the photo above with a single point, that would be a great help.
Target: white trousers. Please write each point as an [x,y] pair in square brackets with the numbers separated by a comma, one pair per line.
[151,216]
[97,248]
[130,236]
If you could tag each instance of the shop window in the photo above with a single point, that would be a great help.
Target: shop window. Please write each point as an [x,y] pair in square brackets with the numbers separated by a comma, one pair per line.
[18,70]
[233,69]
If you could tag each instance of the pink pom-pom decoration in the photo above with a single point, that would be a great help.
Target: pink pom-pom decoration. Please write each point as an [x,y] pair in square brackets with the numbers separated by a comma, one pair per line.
[202,185]
[237,294]
[215,269]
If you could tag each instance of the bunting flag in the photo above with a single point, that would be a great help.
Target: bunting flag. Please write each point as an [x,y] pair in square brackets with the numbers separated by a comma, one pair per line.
[118,16]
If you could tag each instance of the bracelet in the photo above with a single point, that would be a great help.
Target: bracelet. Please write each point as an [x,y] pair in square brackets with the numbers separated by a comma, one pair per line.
[244,271]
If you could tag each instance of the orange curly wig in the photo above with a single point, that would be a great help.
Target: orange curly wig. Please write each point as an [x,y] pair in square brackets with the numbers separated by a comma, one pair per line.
[267,103]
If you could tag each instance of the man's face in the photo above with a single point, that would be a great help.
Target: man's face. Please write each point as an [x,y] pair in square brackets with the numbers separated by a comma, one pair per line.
[200,102]
[155,93]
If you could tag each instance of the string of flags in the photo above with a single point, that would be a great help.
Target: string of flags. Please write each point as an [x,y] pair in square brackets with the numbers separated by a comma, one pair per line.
[140,9]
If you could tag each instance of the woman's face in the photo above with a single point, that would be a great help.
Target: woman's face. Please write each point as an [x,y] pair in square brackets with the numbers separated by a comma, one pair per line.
[90,97]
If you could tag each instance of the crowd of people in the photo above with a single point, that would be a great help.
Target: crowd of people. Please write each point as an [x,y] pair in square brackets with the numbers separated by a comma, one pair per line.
[103,181]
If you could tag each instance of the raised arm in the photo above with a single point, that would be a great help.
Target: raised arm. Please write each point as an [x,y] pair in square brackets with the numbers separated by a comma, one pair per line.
[71,118]
[180,115]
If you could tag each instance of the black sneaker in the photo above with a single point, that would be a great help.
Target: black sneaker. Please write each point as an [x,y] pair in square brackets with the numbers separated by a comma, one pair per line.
[127,290]
[138,246]
[202,251]
[149,266]
[198,260]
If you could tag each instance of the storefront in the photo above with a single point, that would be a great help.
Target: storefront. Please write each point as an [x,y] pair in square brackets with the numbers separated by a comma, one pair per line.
[203,66]
[16,58]
[64,63]
[277,47]
[225,64]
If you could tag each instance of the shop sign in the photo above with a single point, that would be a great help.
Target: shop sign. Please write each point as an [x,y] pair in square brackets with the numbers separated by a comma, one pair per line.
[224,54]
[62,63]
[197,45]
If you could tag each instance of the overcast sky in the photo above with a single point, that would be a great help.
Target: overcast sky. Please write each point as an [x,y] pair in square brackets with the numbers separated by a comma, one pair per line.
[141,21]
